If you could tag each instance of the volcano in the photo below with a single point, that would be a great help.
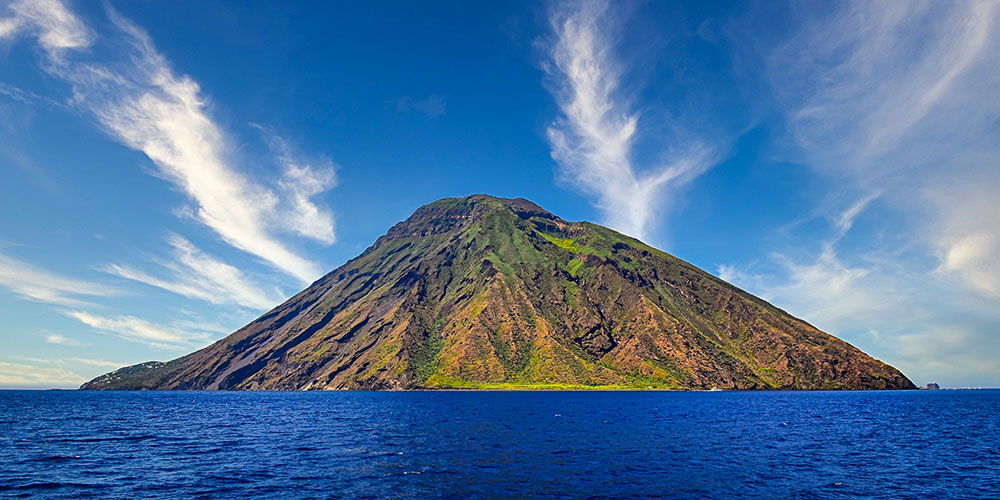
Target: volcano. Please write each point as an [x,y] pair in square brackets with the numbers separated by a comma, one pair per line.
[493,293]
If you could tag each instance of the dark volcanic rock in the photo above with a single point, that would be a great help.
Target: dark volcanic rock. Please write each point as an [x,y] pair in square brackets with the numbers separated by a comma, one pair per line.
[488,292]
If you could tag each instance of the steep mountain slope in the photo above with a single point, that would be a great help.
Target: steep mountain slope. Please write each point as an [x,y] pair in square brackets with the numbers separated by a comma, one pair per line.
[488,292]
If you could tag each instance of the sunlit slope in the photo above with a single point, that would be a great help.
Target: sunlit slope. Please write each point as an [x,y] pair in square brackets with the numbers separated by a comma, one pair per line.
[481,292]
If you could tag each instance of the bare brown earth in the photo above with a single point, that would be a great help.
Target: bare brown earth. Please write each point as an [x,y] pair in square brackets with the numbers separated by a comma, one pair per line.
[482,292]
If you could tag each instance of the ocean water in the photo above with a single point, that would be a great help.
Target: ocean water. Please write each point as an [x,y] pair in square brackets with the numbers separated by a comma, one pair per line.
[906,444]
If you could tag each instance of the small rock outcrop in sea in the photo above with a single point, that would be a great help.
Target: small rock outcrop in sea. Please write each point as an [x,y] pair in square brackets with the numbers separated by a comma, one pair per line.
[484,292]
[933,385]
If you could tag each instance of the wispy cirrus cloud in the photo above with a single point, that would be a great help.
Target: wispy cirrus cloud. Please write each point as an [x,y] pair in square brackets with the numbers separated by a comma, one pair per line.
[926,325]
[56,28]
[901,98]
[144,104]
[24,96]
[592,141]
[825,290]
[197,275]
[897,102]
[39,285]
[302,178]
[172,337]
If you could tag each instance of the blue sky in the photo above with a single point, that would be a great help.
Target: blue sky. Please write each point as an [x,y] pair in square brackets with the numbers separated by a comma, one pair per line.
[173,169]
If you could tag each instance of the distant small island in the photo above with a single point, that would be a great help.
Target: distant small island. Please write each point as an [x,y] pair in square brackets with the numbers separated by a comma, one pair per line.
[490,293]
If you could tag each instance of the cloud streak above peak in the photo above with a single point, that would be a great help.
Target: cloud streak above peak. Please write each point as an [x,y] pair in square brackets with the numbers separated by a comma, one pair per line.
[593,139]
[144,104]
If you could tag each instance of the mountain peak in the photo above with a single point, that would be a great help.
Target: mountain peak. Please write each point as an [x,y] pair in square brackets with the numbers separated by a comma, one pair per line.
[491,292]
[480,204]
[448,214]
[522,207]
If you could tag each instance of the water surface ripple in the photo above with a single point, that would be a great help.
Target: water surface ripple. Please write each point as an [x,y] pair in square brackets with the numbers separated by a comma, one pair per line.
[802,445]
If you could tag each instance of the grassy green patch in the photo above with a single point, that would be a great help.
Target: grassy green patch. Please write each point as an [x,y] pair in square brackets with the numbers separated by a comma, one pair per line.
[383,354]
[504,267]
[438,381]
[470,234]
[574,266]
[564,243]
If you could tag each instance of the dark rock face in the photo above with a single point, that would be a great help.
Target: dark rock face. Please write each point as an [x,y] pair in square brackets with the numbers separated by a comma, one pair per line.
[492,293]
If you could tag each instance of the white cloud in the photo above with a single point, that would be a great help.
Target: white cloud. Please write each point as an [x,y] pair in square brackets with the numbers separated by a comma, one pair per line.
[48,373]
[300,183]
[57,29]
[142,331]
[897,100]
[97,362]
[23,96]
[201,326]
[59,339]
[881,300]
[731,273]
[29,376]
[8,27]
[822,288]
[976,257]
[858,82]
[941,352]
[902,99]
[302,179]
[146,106]
[845,220]
[200,276]
[966,231]
[39,285]
[72,361]
[593,139]
[826,290]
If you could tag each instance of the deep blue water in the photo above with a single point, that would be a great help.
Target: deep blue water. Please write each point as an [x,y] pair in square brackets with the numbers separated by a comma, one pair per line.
[907,444]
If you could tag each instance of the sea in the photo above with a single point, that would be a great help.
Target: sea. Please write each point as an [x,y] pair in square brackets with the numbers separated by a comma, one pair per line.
[465,445]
